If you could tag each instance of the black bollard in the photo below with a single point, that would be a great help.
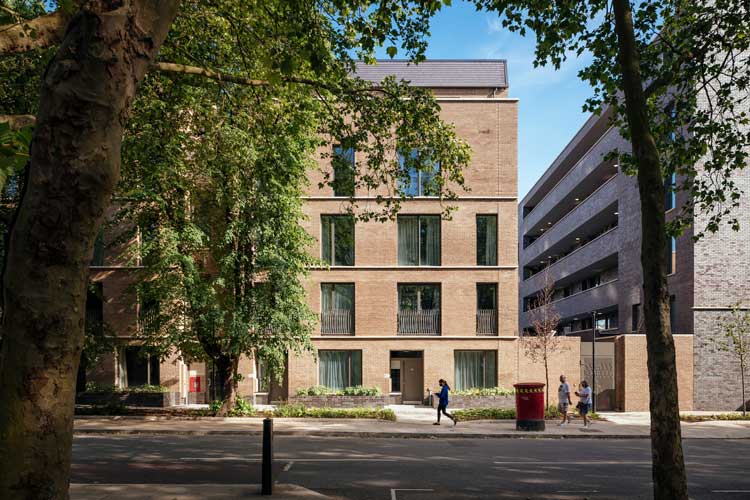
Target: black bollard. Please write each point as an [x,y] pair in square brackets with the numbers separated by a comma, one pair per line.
[267,469]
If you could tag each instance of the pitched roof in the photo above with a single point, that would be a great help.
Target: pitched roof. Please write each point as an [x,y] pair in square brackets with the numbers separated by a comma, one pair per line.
[478,73]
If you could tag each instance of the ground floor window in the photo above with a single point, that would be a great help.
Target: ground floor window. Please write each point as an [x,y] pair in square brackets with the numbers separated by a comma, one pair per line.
[475,369]
[340,369]
[136,368]
[262,376]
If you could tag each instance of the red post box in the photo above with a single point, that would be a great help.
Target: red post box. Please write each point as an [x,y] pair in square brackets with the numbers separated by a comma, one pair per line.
[195,384]
[529,406]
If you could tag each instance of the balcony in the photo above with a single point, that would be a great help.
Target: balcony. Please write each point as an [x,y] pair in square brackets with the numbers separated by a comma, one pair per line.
[603,199]
[424,322]
[337,322]
[487,322]
[597,298]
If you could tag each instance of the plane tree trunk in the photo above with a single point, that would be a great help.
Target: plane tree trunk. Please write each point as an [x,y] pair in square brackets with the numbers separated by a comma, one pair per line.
[668,469]
[85,96]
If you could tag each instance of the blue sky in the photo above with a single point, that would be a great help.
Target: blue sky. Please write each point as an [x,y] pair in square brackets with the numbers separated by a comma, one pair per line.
[549,108]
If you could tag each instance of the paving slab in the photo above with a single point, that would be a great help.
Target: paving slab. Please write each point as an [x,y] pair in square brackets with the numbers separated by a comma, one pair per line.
[403,429]
[189,492]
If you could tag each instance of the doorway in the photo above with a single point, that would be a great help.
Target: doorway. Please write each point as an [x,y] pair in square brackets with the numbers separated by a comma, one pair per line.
[407,375]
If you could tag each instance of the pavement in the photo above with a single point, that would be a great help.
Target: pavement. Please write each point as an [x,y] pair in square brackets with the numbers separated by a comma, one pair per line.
[224,467]
[410,424]
[79,491]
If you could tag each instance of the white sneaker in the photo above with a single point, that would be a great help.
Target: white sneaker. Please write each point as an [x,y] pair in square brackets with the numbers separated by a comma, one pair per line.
[561,424]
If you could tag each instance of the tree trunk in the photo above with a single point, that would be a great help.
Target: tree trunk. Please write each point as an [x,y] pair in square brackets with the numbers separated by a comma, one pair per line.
[668,467]
[226,369]
[85,96]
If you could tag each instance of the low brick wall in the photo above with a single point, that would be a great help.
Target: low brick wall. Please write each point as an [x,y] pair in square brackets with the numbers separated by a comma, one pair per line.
[340,401]
[149,399]
[457,402]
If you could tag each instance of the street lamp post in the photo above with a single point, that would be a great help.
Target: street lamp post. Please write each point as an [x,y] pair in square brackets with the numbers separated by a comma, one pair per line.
[593,361]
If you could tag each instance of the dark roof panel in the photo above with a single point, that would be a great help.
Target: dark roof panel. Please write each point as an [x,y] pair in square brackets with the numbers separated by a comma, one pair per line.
[478,73]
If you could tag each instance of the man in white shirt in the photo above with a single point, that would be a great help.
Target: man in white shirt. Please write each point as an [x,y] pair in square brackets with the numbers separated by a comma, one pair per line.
[563,400]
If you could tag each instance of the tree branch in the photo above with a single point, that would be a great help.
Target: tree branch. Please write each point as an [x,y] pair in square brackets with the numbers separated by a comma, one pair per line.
[33,34]
[18,121]
[207,73]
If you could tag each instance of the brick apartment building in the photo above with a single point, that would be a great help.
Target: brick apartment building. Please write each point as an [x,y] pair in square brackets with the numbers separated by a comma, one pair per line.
[403,303]
[579,226]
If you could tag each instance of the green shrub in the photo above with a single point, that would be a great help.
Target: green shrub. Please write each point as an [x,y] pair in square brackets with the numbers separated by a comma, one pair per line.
[716,416]
[321,390]
[300,411]
[360,390]
[485,391]
[242,408]
[505,414]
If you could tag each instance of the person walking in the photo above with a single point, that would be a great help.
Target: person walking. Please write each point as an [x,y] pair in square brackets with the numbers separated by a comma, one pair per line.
[443,402]
[584,402]
[563,400]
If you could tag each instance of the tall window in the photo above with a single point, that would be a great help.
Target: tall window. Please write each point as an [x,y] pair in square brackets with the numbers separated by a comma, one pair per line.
[486,308]
[671,255]
[636,318]
[672,314]
[262,376]
[475,369]
[337,308]
[136,367]
[419,240]
[337,239]
[97,259]
[486,240]
[421,172]
[343,171]
[670,184]
[340,369]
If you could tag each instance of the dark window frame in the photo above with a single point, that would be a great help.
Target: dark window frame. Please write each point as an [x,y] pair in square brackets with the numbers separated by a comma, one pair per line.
[419,218]
[333,256]
[494,259]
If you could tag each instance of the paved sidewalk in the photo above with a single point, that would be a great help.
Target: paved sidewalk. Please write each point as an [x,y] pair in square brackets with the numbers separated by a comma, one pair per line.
[188,492]
[401,429]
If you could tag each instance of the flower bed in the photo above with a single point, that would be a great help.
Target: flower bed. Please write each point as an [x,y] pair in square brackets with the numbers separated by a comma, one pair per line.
[459,401]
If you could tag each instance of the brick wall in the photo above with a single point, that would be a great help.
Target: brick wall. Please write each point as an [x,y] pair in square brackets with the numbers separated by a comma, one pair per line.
[632,372]
[340,401]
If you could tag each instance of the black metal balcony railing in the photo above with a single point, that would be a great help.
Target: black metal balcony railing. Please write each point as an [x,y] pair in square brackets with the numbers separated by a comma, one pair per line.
[422,322]
[337,322]
[487,322]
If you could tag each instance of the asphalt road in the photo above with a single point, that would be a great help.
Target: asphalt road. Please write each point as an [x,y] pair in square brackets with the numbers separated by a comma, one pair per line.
[417,469]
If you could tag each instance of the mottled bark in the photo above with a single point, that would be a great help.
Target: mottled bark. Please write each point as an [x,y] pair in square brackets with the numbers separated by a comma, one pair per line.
[668,469]
[85,96]
[226,370]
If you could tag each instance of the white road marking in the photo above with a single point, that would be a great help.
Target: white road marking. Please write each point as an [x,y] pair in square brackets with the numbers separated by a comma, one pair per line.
[288,466]
[394,490]
[577,491]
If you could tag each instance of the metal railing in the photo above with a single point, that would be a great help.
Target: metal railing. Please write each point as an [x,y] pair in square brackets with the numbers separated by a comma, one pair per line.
[420,322]
[337,322]
[487,322]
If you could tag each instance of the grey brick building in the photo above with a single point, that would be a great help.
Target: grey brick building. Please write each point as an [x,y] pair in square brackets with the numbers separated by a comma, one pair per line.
[579,226]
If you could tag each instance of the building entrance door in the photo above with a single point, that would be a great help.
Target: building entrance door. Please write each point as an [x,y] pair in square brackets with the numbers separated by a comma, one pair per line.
[411,375]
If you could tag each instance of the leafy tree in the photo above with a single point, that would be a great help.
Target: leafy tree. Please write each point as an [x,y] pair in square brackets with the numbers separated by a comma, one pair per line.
[544,343]
[675,76]
[214,183]
[736,342]
[101,52]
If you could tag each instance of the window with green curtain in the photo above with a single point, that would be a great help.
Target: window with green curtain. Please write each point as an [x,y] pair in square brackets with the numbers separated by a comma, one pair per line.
[97,258]
[486,240]
[486,296]
[340,369]
[419,240]
[337,239]
[343,170]
[418,297]
[337,296]
[475,369]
